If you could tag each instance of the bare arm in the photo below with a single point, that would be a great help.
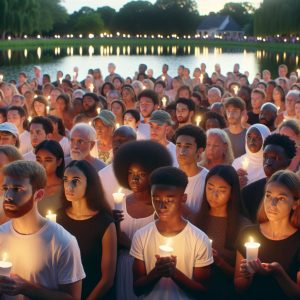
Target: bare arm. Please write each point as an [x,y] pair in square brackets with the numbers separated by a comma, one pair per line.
[108,263]
[242,279]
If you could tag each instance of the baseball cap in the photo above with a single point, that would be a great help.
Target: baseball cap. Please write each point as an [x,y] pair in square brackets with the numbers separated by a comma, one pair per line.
[107,117]
[161,117]
[9,127]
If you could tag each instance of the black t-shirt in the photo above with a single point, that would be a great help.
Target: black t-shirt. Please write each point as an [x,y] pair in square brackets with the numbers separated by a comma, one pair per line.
[286,252]
[252,195]
[252,118]
[89,234]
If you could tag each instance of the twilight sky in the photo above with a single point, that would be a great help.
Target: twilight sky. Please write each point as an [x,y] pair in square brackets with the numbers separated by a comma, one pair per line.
[205,6]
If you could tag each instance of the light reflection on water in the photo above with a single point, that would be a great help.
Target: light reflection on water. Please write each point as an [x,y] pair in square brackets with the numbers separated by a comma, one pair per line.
[127,59]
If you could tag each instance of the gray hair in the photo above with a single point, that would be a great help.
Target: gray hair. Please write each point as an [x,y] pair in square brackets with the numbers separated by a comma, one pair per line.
[293,93]
[85,128]
[228,159]
[215,91]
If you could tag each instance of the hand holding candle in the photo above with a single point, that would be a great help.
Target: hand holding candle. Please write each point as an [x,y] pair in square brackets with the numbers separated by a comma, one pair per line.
[245,163]
[5,266]
[50,216]
[118,199]
[235,89]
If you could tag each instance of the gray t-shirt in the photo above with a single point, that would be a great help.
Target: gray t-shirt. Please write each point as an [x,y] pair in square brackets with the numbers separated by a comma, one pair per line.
[237,142]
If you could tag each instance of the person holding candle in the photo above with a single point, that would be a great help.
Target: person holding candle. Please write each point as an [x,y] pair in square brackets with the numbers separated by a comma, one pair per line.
[133,164]
[39,271]
[250,165]
[183,270]
[221,219]
[51,156]
[275,273]
[85,208]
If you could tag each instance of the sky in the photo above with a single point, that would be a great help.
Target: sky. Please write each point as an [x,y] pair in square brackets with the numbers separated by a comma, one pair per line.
[205,6]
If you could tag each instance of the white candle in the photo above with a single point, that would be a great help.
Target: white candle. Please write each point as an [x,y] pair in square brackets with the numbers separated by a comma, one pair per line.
[236,89]
[245,163]
[29,119]
[164,101]
[48,98]
[5,266]
[91,88]
[1,77]
[198,120]
[50,216]
[60,80]
[118,199]
[251,250]
[48,109]
[117,125]
[201,78]
[298,72]
[98,110]
[163,78]
[165,250]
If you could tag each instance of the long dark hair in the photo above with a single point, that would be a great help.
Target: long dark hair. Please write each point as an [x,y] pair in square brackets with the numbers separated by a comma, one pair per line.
[60,125]
[227,173]
[94,194]
[55,149]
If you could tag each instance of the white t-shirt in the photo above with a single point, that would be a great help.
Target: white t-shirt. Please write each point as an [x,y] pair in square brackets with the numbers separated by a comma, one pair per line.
[29,156]
[25,142]
[50,257]
[195,190]
[65,144]
[191,247]
[110,184]
[143,132]
[172,150]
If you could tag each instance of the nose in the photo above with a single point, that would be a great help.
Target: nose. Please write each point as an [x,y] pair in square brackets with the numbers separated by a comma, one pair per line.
[162,205]
[182,151]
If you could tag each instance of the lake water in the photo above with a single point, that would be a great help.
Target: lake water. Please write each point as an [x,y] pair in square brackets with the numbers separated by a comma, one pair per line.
[128,58]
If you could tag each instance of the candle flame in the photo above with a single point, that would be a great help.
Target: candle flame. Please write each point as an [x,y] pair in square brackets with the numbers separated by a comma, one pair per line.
[4,256]
[251,240]
[49,212]
[120,190]
[117,125]
[198,120]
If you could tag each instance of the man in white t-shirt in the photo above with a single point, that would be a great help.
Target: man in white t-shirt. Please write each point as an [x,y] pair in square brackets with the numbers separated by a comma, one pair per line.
[190,143]
[17,116]
[107,176]
[45,258]
[182,270]
[160,122]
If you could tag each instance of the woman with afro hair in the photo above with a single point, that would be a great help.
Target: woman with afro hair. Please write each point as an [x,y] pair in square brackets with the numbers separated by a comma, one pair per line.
[133,164]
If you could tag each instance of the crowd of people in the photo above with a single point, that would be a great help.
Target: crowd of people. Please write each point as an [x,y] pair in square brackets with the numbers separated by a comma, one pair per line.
[155,185]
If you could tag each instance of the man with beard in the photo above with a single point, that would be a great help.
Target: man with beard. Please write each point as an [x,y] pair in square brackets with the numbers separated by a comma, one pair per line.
[90,103]
[45,258]
[268,115]
[148,102]
[185,110]
[279,151]
[108,179]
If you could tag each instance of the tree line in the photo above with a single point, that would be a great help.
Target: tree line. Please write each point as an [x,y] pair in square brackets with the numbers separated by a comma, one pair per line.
[50,17]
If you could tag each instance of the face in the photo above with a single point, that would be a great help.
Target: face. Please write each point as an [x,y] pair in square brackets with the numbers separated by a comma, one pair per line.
[60,105]
[80,145]
[212,123]
[7,138]
[285,130]
[256,100]
[48,161]
[75,184]
[146,106]
[267,116]
[129,120]
[186,150]
[103,131]
[278,202]
[217,192]
[39,108]
[37,134]
[18,198]
[213,97]
[53,96]
[282,72]
[182,113]
[167,201]
[17,101]
[215,148]
[184,93]
[88,104]
[234,115]
[116,108]
[117,83]
[275,159]
[138,179]
[126,95]
[290,101]
[158,132]
[254,140]
[159,89]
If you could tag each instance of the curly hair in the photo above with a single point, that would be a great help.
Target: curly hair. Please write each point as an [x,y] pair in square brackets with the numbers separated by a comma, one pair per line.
[148,154]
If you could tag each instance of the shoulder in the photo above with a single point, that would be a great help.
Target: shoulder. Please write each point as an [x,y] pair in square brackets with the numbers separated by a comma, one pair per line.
[195,232]
[6,227]
[106,171]
[146,230]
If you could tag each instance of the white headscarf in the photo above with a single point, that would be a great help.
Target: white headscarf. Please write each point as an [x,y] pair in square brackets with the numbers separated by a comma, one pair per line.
[253,162]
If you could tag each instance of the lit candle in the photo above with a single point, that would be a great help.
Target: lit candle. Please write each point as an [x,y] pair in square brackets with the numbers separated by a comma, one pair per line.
[1,77]
[251,250]
[50,216]
[91,88]
[211,241]
[48,109]
[298,72]
[198,120]
[165,250]
[5,266]
[164,101]
[29,119]
[35,96]
[235,89]
[98,110]
[117,125]
[90,123]
[48,98]
[163,78]
[245,163]
[60,80]
[118,199]
[201,78]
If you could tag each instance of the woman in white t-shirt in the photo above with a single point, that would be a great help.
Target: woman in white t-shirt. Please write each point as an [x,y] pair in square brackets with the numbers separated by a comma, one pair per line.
[133,164]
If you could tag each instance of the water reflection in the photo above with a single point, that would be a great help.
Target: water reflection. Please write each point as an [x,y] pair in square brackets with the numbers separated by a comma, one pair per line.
[252,61]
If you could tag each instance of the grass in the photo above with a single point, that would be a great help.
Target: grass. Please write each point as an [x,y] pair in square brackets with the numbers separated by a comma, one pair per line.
[51,43]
